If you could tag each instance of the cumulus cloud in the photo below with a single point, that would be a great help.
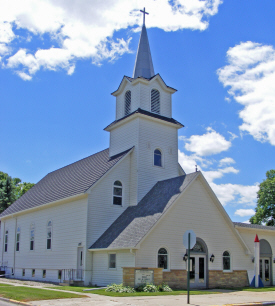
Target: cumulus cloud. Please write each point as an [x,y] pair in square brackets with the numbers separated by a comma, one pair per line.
[250,76]
[227,193]
[227,161]
[244,212]
[207,144]
[85,29]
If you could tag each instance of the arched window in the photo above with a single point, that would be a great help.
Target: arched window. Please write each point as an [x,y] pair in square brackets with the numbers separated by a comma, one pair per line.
[226,261]
[198,248]
[18,239]
[155,101]
[49,235]
[157,158]
[163,258]
[32,237]
[127,109]
[117,194]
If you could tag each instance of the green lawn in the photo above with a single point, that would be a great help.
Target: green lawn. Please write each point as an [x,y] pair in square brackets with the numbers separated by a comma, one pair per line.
[263,289]
[25,294]
[5,285]
[103,292]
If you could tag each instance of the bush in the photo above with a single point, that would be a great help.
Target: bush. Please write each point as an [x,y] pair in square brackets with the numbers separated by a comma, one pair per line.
[164,288]
[119,288]
[150,288]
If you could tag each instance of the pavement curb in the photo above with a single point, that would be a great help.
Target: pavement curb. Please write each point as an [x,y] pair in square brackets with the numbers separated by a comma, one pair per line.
[253,304]
[15,302]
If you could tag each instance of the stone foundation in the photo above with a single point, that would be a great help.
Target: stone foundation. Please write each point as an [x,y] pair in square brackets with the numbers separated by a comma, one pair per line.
[176,279]
[129,276]
[218,278]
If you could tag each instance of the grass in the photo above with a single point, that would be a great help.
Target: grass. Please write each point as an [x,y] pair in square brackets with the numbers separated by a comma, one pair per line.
[25,294]
[251,289]
[5,285]
[117,294]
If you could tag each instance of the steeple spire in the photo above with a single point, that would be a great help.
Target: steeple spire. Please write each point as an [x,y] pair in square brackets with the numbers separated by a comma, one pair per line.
[144,64]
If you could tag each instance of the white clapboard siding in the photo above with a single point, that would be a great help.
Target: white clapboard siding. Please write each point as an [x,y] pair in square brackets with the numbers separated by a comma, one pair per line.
[154,135]
[101,212]
[102,275]
[194,210]
[248,236]
[141,98]
[68,230]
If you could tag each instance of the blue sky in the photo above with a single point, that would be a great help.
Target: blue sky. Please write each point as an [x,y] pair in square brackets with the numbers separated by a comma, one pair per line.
[60,60]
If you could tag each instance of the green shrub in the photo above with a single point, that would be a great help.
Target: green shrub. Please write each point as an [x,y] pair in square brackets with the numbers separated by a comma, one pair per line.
[150,288]
[164,288]
[119,288]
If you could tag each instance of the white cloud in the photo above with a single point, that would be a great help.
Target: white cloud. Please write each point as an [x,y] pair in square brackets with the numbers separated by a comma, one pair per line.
[227,161]
[207,144]
[24,76]
[245,212]
[85,29]
[250,76]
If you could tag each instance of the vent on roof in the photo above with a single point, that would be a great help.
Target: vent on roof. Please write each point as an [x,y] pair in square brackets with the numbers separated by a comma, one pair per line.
[155,103]
[127,109]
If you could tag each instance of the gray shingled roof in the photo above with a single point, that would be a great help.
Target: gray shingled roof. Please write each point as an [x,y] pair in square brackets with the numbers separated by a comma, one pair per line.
[255,226]
[144,112]
[68,181]
[136,221]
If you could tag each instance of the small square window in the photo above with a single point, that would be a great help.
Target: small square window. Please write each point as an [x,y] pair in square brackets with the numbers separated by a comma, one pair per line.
[33,272]
[23,272]
[44,274]
[112,261]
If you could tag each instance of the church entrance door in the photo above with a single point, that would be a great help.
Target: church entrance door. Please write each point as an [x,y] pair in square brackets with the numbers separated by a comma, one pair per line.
[265,271]
[197,271]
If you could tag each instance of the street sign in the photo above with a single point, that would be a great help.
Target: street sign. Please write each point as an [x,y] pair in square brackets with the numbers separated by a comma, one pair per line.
[192,239]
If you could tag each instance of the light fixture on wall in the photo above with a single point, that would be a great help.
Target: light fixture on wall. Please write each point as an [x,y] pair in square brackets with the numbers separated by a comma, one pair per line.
[185,257]
[212,257]
[252,259]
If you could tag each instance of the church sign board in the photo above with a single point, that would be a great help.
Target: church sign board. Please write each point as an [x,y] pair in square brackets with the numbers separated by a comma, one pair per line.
[144,276]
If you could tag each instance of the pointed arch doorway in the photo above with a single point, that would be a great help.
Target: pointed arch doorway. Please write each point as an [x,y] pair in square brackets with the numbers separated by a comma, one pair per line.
[199,265]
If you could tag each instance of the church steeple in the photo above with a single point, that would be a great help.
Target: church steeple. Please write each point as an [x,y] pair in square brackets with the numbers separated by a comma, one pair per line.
[144,64]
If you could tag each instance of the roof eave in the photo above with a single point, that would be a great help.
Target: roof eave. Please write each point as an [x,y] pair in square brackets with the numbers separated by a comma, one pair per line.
[254,228]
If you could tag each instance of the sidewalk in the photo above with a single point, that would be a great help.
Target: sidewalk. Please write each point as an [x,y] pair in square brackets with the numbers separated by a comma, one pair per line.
[226,297]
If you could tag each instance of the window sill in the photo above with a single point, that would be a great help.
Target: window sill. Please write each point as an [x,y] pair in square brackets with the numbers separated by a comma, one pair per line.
[112,269]
[227,271]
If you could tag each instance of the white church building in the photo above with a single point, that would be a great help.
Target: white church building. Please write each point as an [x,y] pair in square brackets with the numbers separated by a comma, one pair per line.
[121,213]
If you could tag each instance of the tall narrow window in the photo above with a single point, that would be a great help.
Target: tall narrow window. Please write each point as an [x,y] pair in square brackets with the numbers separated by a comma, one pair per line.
[49,235]
[127,109]
[157,158]
[18,239]
[117,196]
[155,101]
[112,261]
[163,258]
[6,240]
[226,261]
[32,238]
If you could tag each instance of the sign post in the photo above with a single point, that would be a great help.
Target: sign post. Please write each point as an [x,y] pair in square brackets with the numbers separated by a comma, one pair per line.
[189,241]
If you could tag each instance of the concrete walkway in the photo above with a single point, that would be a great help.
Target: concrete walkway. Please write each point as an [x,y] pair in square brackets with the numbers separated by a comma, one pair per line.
[226,297]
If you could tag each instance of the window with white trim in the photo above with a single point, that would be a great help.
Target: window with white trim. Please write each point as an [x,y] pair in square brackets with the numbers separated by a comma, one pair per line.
[18,239]
[112,261]
[6,240]
[226,262]
[155,101]
[117,193]
[157,158]
[49,235]
[163,258]
[127,106]
[32,237]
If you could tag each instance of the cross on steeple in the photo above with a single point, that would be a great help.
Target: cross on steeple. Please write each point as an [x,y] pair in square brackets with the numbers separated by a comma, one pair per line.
[144,15]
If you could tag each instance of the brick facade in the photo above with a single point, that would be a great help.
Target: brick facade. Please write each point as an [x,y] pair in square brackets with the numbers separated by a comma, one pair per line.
[218,278]
[129,276]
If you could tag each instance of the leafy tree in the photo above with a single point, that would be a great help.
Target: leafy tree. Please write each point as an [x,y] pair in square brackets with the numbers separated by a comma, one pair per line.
[11,189]
[265,210]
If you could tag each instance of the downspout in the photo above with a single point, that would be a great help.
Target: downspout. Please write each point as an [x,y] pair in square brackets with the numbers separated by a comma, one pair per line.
[14,246]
